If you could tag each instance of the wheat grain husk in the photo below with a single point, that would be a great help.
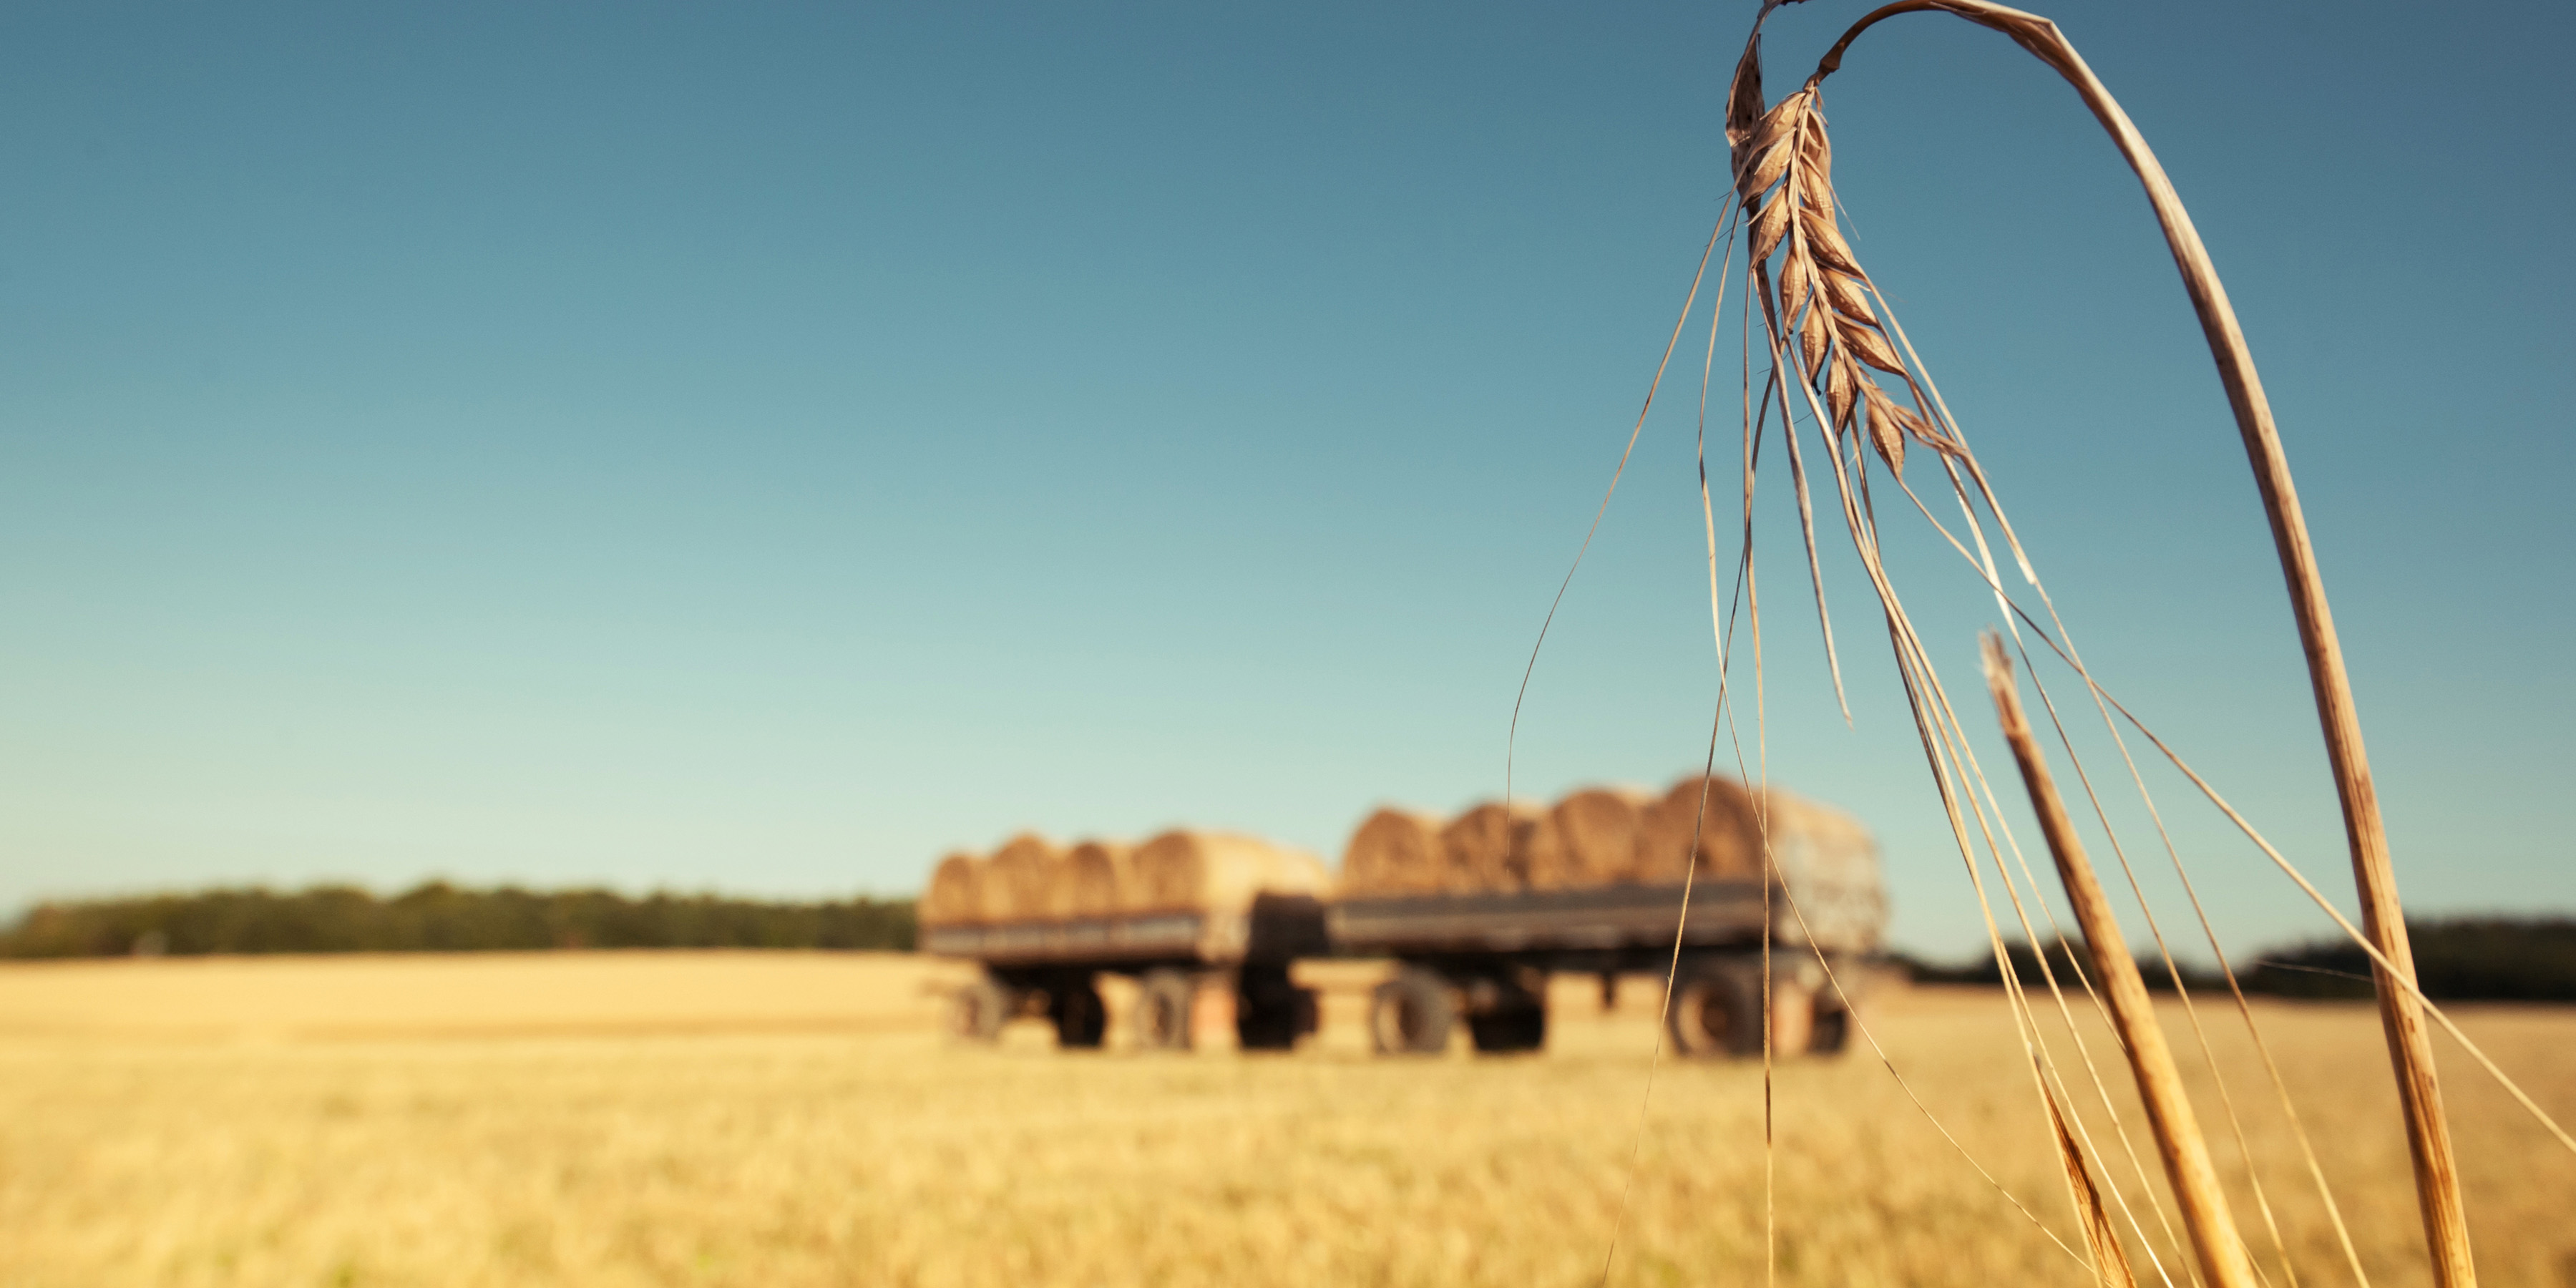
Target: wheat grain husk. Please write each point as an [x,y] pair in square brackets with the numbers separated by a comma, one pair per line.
[955,894]
[1589,838]
[1019,879]
[1484,848]
[1394,852]
[1089,881]
[1216,871]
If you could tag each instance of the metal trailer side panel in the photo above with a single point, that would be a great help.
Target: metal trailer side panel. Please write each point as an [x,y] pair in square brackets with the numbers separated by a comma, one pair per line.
[1150,937]
[1845,917]
[1273,928]
[1601,917]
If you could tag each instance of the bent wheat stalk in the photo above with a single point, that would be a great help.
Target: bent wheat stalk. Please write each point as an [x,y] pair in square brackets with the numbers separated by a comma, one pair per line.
[2186,1156]
[1818,310]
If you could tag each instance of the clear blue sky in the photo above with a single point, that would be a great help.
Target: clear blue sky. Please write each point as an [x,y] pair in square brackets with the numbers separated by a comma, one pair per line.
[760,447]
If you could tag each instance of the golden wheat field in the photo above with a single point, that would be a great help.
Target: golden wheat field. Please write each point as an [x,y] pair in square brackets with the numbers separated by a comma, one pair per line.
[795,1119]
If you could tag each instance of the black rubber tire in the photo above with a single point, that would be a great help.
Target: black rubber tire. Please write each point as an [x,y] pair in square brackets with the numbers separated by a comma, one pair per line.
[1266,1005]
[1718,1012]
[1166,1003]
[1508,1015]
[1080,1019]
[977,1012]
[1833,1028]
[1507,1032]
[1412,1014]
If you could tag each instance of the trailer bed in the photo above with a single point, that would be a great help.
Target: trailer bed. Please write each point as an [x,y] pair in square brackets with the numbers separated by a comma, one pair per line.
[1588,919]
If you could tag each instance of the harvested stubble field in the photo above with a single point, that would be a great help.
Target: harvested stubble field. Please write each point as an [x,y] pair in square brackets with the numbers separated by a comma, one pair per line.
[791,1119]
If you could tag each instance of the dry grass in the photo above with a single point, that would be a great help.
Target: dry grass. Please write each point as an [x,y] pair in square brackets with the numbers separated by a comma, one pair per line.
[794,1119]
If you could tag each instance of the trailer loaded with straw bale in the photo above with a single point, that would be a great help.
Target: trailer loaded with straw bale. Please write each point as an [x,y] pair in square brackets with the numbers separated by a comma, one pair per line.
[1180,913]
[1476,912]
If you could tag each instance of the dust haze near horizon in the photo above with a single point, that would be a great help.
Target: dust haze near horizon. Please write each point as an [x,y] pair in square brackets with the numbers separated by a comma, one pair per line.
[759,449]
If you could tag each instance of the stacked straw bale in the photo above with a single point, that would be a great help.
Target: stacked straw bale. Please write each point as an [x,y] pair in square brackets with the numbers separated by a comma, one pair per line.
[1486,848]
[1832,862]
[1090,882]
[956,892]
[1591,839]
[1395,852]
[1729,841]
[1204,871]
[1019,878]
[1606,836]
[1030,879]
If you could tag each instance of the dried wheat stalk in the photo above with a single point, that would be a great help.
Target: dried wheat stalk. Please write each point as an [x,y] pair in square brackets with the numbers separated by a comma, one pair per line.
[1818,313]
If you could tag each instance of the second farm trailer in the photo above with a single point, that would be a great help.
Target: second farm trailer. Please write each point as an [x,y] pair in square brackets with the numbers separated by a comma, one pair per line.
[1474,913]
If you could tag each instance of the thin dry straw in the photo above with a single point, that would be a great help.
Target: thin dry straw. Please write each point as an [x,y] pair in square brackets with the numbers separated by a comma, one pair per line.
[1747,571]
[2085,1203]
[1672,976]
[1512,737]
[1761,799]
[1748,600]
[1806,934]
[1961,752]
[2350,930]
[1744,598]
[2410,1047]
[2226,1099]
[1654,1060]
[1864,537]
[2103,694]
[1910,657]
[1690,866]
[1984,562]
[1956,747]
[1864,531]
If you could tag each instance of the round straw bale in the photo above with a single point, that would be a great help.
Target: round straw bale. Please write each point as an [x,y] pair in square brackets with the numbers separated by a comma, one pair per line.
[1538,852]
[1019,878]
[1202,871]
[1595,839]
[1393,852]
[1817,844]
[1483,849]
[1728,843]
[954,893]
[1829,863]
[1087,882]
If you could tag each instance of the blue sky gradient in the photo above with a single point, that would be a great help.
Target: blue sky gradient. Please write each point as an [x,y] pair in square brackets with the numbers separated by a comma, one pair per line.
[760,448]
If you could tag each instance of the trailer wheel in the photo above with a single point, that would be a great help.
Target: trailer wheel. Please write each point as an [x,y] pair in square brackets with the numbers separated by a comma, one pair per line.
[1506,1015]
[1508,1031]
[1832,1028]
[1080,1019]
[1269,1008]
[977,1011]
[1165,1000]
[1718,1012]
[1411,1014]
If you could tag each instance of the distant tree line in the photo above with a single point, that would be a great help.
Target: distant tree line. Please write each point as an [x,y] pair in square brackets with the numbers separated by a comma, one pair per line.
[2489,959]
[438,917]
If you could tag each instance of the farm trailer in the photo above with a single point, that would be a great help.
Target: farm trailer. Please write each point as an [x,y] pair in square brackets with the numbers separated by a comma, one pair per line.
[1483,958]
[1051,967]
